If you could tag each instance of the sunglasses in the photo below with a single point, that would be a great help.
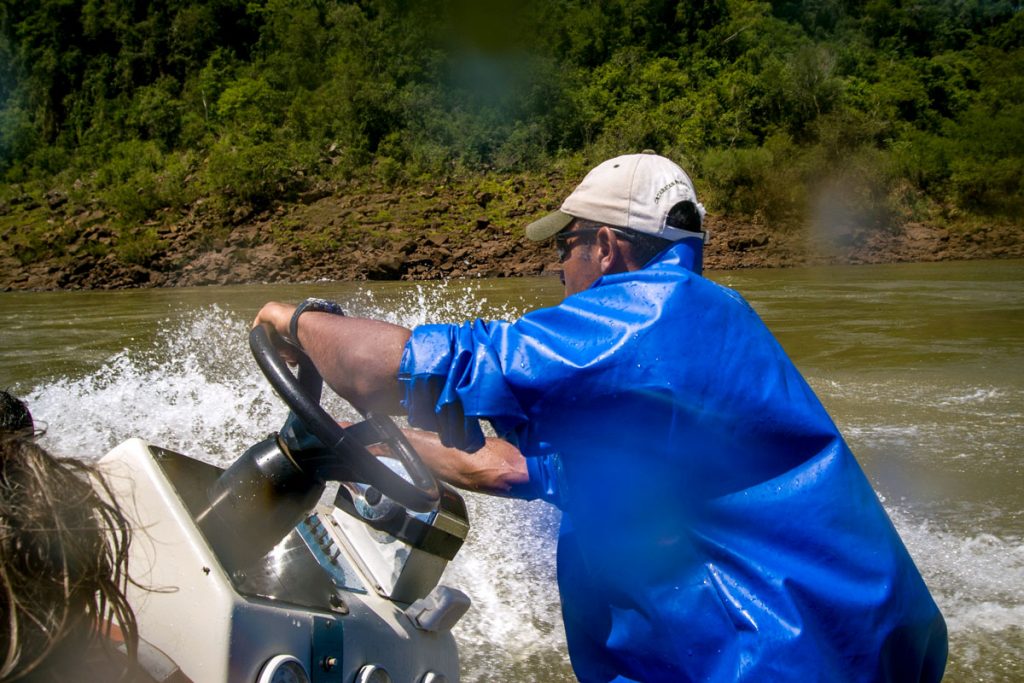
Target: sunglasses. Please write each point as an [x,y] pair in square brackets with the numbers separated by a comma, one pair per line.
[562,239]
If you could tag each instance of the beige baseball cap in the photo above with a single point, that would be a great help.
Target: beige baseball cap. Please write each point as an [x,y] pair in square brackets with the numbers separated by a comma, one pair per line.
[634,191]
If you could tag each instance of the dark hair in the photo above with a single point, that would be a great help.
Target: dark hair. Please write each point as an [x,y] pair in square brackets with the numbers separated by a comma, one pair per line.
[63,567]
[685,216]
[14,415]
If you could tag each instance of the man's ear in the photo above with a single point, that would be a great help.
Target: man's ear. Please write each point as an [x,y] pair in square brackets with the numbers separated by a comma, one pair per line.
[611,256]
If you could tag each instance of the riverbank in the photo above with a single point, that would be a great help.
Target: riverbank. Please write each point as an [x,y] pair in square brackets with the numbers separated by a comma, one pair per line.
[362,231]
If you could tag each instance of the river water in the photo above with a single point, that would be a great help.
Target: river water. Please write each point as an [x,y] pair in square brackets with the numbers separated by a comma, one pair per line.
[921,365]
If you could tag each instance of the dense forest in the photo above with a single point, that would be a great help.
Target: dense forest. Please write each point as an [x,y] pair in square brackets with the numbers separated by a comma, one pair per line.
[890,110]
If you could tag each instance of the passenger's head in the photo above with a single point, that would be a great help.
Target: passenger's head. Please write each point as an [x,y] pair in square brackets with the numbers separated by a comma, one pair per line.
[63,556]
[14,415]
[624,213]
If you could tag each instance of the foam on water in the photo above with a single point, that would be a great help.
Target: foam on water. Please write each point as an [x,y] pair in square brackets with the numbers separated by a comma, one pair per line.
[978,579]
[960,437]
[975,397]
[926,417]
[978,582]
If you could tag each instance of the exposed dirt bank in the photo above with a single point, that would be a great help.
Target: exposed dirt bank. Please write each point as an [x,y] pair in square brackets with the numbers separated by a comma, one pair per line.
[351,232]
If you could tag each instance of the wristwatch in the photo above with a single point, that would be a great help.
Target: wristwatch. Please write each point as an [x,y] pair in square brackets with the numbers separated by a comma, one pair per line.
[311,304]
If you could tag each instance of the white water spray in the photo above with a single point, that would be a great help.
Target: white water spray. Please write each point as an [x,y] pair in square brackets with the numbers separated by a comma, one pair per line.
[198,391]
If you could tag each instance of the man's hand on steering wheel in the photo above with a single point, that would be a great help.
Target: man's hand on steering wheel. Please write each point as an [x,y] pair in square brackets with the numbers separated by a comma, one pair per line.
[279,317]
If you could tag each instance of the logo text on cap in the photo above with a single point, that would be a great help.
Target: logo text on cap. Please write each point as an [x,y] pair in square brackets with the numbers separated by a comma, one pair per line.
[677,181]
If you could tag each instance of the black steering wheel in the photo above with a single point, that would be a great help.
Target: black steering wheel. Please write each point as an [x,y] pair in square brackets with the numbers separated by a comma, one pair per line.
[344,455]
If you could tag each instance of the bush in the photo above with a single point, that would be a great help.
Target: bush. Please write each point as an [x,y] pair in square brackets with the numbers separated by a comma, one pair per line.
[139,246]
[156,113]
[251,107]
[989,186]
[138,180]
[256,172]
[764,182]
[922,159]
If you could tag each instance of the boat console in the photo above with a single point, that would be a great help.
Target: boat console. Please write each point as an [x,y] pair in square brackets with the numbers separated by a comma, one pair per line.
[314,557]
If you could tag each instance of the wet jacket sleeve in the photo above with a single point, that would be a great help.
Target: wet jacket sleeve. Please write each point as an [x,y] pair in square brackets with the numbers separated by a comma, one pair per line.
[543,484]
[453,376]
[518,375]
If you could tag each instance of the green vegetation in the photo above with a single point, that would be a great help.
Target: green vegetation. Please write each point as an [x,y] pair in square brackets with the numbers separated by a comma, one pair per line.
[895,110]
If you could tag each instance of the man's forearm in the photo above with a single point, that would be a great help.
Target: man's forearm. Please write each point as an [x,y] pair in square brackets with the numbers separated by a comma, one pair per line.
[498,468]
[357,357]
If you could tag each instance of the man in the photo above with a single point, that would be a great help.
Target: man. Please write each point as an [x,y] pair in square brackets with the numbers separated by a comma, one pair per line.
[716,527]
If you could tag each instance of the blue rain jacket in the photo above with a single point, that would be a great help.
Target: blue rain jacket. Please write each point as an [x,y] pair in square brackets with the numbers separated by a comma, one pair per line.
[716,526]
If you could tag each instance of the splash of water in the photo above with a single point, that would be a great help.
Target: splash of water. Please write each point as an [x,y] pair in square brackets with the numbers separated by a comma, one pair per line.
[442,302]
[197,391]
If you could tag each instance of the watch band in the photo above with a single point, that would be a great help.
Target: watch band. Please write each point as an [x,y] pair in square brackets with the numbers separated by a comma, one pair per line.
[311,304]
